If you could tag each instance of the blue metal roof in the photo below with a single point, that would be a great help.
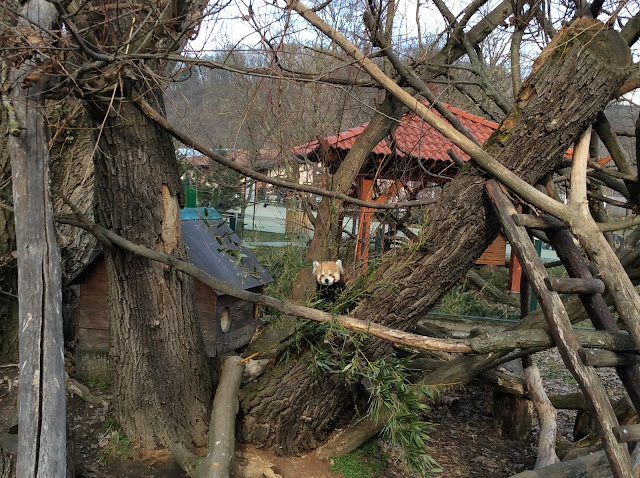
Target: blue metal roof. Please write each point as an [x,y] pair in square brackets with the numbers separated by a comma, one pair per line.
[214,247]
[191,213]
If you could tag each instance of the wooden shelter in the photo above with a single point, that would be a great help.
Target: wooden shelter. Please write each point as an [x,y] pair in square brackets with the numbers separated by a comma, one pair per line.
[417,153]
[226,323]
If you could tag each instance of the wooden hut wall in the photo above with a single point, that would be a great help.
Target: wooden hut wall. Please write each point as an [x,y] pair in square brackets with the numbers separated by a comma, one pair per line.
[93,325]
[242,323]
[206,302]
[495,253]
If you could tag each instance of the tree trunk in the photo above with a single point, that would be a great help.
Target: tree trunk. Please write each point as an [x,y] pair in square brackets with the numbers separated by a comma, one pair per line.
[567,89]
[324,245]
[41,393]
[8,268]
[162,385]
[72,175]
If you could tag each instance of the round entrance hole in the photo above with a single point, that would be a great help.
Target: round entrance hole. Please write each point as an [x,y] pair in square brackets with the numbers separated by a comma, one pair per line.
[225,323]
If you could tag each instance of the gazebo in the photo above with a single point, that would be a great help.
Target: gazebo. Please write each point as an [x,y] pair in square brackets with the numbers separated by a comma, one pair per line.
[416,153]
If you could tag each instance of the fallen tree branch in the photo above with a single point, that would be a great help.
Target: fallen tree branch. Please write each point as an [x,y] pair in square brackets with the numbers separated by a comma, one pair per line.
[547,416]
[370,328]
[508,340]
[162,122]
[491,290]
[221,429]
[76,388]
[595,465]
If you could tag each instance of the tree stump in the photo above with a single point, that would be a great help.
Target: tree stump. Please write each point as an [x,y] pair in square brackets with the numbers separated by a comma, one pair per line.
[512,416]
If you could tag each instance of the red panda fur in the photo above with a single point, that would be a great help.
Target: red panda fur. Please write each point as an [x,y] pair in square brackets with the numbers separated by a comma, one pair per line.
[329,279]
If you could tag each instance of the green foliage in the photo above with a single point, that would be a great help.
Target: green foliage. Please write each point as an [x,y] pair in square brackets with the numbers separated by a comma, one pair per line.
[217,186]
[365,462]
[461,300]
[113,442]
[388,381]
[393,395]
[283,263]
[99,385]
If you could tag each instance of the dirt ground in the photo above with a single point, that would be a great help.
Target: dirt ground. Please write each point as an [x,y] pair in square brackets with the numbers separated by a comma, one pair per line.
[463,442]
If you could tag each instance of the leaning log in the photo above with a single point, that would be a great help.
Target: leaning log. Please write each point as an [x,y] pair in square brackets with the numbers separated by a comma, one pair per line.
[567,89]
[222,438]
[595,465]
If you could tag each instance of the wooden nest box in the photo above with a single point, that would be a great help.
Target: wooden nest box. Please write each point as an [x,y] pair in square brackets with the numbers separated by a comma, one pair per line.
[226,323]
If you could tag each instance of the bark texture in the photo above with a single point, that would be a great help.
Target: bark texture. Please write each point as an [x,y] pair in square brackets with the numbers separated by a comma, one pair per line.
[72,175]
[42,440]
[162,384]
[8,265]
[290,410]
[8,270]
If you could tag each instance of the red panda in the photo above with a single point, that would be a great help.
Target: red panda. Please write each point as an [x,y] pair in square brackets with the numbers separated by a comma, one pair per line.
[329,280]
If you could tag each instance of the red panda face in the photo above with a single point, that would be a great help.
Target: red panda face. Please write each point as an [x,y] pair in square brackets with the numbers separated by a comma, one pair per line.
[328,272]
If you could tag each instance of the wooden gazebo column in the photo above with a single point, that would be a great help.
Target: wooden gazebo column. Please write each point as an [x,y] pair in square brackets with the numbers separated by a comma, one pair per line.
[365,192]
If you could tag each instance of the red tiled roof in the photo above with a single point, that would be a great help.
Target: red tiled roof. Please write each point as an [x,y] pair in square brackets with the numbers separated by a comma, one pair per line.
[414,137]
[260,160]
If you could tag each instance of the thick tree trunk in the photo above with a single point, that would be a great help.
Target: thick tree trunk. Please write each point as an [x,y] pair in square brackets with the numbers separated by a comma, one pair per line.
[72,175]
[8,266]
[163,386]
[568,87]
[326,236]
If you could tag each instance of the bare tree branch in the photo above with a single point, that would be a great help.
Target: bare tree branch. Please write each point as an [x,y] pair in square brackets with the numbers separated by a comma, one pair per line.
[187,140]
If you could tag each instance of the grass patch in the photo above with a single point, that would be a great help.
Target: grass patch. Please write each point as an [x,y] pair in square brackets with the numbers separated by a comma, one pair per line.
[113,442]
[283,263]
[365,462]
[464,301]
[266,236]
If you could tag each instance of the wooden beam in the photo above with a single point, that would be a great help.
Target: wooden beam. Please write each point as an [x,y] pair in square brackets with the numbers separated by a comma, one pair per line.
[560,327]
[607,358]
[564,285]
[542,223]
[627,433]
[365,193]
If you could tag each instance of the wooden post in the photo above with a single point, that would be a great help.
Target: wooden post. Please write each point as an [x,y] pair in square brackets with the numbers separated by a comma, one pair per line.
[41,395]
[365,192]
[560,327]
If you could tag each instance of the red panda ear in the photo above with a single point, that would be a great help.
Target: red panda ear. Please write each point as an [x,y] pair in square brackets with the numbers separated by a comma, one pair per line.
[316,264]
[339,264]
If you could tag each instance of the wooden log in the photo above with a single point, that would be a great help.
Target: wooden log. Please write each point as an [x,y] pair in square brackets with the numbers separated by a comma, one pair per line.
[569,401]
[606,358]
[627,433]
[542,223]
[491,290]
[222,438]
[512,416]
[595,306]
[547,417]
[563,285]
[560,327]
[525,338]
[594,465]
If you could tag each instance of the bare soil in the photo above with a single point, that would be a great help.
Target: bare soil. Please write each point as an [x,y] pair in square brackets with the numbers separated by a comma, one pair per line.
[463,442]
